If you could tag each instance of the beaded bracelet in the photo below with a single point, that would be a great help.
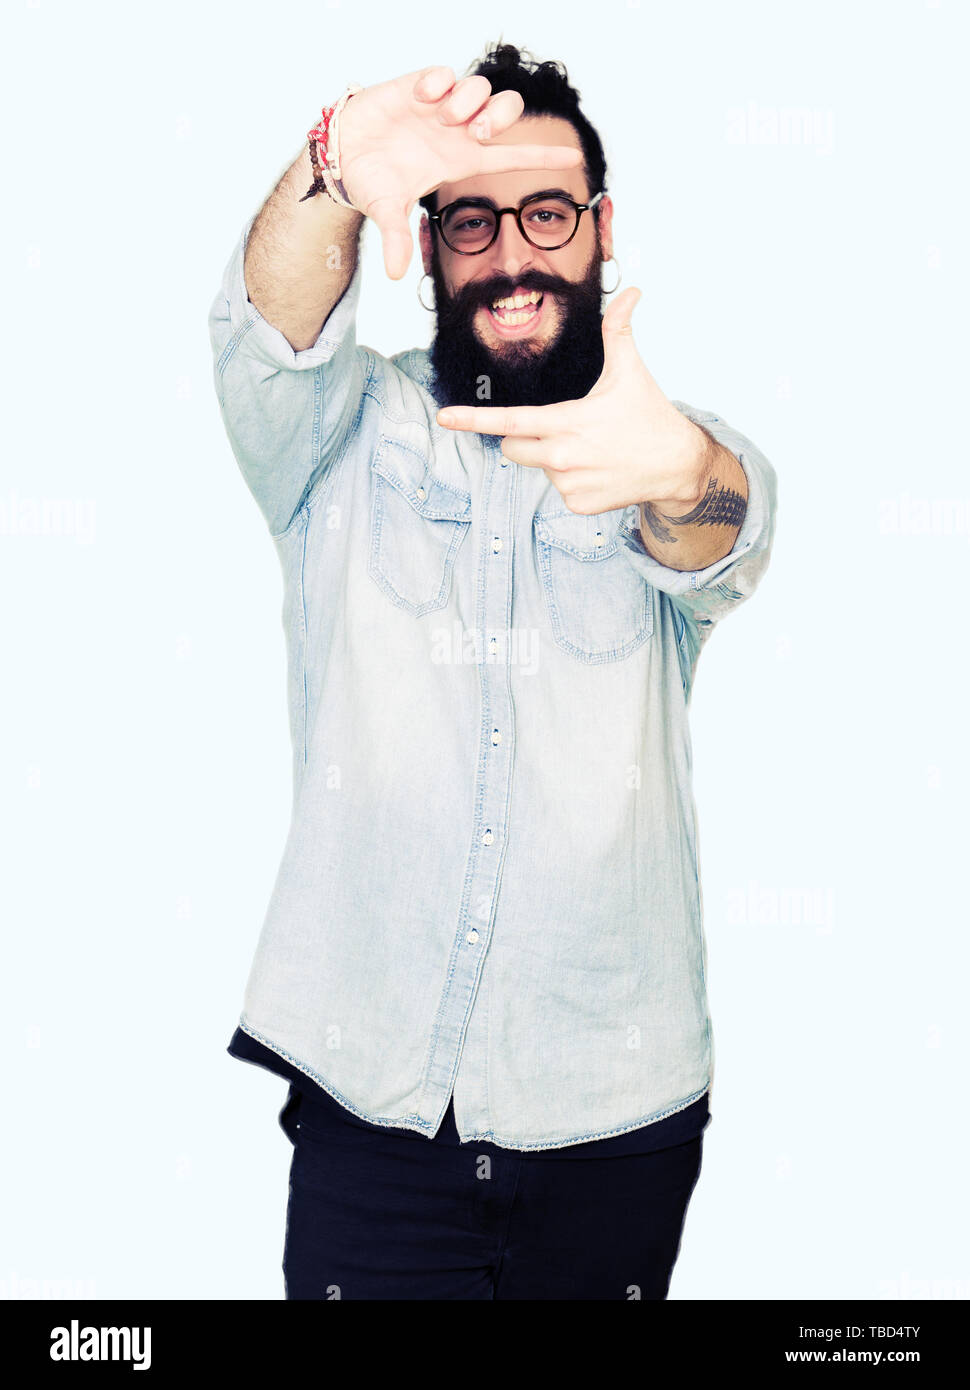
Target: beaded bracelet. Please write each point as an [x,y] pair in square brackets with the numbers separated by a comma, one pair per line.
[325,151]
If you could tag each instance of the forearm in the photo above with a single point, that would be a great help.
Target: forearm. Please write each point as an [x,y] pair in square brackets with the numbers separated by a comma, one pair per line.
[300,256]
[702,524]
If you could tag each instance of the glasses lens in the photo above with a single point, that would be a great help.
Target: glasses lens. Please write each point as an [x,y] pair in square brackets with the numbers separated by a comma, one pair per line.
[549,221]
[468,228]
[546,221]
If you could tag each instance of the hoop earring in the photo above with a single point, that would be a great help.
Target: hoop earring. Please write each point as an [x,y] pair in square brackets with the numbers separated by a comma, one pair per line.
[619,275]
[424,277]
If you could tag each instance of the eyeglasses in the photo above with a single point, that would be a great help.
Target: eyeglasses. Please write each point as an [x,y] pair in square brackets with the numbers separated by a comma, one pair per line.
[548,221]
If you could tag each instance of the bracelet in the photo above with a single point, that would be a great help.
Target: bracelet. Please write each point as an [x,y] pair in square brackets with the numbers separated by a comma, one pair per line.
[325,151]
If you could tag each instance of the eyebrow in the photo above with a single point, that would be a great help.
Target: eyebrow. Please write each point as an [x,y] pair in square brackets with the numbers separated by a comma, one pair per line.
[490,203]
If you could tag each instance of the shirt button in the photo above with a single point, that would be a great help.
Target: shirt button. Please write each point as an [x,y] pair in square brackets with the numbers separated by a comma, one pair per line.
[472,937]
[599,537]
[496,737]
[487,837]
[421,493]
[496,543]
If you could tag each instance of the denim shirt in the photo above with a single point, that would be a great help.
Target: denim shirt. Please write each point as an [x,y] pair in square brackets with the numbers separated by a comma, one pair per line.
[489,887]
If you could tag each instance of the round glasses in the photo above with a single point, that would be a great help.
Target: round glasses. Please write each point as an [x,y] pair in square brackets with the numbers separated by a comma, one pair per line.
[469,226]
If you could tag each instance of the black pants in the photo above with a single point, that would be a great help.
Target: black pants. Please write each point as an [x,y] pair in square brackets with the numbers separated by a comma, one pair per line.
[391,1214]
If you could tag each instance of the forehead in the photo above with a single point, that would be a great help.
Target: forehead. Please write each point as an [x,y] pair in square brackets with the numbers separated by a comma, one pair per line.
[510,188]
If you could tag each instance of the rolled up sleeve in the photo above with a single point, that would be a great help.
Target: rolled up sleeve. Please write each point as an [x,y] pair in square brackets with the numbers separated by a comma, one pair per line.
[703,597]
[286,413]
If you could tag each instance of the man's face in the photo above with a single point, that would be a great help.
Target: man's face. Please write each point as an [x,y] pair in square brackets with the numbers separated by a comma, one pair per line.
[556,352]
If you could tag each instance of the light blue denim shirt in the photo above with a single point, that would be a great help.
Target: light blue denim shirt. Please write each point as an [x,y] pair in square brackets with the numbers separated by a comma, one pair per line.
[489,885]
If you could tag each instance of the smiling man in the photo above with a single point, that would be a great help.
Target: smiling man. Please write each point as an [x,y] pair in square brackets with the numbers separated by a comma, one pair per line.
[519,320]
[482,966]
[518,298]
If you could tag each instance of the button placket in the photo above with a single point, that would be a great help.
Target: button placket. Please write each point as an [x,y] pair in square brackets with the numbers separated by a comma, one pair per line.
[496,586]
[493,584]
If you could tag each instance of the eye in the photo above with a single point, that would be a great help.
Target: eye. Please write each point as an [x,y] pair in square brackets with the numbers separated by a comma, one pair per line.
[550,212]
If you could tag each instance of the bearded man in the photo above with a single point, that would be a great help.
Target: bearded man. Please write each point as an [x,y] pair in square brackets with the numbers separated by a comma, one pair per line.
[482,967]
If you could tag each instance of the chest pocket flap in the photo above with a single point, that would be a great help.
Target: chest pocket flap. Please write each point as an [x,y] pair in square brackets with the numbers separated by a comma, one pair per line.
[418,523]
[599,608]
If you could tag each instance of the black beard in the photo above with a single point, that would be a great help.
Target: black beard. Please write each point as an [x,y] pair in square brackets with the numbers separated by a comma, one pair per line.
[466,372]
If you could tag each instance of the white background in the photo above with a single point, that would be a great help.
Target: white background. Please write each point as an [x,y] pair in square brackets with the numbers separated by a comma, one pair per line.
[811,290]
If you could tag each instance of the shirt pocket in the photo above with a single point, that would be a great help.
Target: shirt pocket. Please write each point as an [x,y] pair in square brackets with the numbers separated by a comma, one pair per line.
[599,607]
[418,524]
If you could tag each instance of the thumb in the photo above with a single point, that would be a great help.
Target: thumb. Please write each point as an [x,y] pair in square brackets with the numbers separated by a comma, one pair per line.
[391,218]
[618,345]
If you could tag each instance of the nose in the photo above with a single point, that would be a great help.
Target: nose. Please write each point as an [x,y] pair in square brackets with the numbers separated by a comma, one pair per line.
[511,253]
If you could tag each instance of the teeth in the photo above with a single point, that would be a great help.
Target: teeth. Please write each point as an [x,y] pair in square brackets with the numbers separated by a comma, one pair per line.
[518,301]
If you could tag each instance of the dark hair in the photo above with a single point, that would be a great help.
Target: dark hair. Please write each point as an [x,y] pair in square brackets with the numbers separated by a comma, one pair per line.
[545,89]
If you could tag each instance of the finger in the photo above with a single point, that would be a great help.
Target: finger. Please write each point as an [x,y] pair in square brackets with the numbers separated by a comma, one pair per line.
[502,110]
[500,159]
[617,329]
[397,243]
[531,453]
[433,83]
[619,315]
[466,98]
[533,420]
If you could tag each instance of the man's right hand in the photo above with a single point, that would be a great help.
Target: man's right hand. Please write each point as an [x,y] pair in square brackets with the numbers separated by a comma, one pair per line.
[403,139]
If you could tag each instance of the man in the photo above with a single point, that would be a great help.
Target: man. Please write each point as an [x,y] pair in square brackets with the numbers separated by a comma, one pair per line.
[482,966]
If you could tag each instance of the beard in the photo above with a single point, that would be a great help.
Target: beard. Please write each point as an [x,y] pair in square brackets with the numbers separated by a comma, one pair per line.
[520,372]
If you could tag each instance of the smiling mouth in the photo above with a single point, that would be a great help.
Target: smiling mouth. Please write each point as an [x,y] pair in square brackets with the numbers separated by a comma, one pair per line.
[516,310]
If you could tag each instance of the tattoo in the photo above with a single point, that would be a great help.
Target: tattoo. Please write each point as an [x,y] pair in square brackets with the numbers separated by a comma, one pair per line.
[657,528]
[720,506]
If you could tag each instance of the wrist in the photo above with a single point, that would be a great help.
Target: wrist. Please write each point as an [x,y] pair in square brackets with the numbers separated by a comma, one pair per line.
[325,153]
[694,474]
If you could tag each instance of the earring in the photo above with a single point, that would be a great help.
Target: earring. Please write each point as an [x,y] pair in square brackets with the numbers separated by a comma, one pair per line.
[430,308]
[619,275]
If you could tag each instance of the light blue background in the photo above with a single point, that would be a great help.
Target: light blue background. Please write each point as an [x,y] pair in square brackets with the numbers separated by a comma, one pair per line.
[810,291]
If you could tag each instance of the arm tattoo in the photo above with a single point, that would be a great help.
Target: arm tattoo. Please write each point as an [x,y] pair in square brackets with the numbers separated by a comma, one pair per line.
[720,506]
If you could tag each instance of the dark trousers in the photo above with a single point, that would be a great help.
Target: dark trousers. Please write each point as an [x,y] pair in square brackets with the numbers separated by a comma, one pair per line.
[390,1214]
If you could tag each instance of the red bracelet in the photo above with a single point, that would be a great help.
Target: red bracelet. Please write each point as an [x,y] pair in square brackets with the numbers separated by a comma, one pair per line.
[325,151]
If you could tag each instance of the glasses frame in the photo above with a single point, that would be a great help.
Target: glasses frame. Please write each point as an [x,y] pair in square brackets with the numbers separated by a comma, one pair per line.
[435,218]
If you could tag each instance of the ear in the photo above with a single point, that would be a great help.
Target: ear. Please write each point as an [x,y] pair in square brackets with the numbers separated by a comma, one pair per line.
[424,237]
[605,226]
